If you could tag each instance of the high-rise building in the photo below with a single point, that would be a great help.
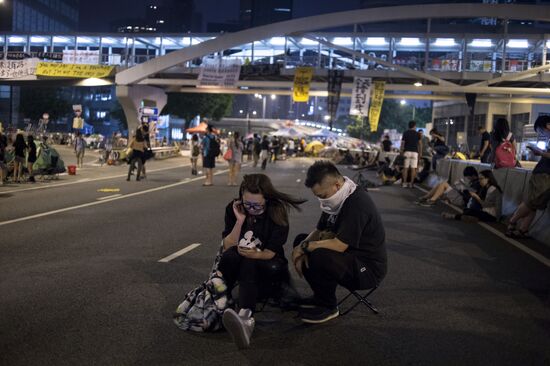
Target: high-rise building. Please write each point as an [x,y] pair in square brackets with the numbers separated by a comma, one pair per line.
[254,13]
[39,15]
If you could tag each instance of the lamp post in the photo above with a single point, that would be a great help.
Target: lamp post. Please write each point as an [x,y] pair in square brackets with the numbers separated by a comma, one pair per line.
[404,102]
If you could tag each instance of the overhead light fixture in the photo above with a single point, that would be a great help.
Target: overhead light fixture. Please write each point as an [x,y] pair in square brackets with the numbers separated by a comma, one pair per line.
[548,44]
[403,102]
[16,39]
[445,42]
[418,84]
[410,42]
[37,39]
[277,41]
[107,40]
[342,41]
[376,41]
[83,40]
[518,43]
[485,43]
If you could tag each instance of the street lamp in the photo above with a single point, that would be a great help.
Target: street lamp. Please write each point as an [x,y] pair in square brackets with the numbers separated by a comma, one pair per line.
[273,97]
[404,102]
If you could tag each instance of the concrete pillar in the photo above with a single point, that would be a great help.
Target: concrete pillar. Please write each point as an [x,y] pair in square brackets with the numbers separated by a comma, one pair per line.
[130,98]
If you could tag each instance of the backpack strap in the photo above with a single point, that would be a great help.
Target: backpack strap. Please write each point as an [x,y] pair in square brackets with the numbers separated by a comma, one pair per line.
[507,139]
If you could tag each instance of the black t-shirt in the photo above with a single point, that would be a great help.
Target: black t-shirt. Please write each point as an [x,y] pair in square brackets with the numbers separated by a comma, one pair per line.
[386,144]
[32,151]
[411,140]
[543,166]
[265,145]
[260,229]
[360,226]
[3,144]
[485,136]
[20,149]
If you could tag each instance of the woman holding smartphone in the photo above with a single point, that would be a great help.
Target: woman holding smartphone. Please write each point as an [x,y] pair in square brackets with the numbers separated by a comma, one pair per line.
[256,228]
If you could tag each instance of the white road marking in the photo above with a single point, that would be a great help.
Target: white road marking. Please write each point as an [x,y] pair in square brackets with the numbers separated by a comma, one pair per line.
[539,257]
[109,197]
[87,180]
[161,188]
[179,253]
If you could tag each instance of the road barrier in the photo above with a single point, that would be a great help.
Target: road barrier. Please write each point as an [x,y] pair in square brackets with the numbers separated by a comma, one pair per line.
[166,152]
[514,183]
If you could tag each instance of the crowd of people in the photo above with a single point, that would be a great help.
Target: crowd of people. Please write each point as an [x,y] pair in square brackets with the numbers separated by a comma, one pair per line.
[17,157]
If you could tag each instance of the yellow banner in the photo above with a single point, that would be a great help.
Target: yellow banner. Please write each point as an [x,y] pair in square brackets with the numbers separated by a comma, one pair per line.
[376,105]
[302,80]
[73,70]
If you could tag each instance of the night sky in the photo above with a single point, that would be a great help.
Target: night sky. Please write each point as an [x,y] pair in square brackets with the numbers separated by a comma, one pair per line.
[96,15]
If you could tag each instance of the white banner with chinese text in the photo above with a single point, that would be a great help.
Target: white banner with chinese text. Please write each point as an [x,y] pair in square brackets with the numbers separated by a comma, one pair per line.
[360,97]
[219,74]
[13,69]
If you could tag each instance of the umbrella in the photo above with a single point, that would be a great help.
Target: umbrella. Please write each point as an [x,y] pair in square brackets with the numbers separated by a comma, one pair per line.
[201,128]
[314,147]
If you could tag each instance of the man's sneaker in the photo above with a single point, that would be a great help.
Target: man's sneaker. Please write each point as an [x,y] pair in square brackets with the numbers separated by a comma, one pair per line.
[318,314]
[239,326]
[427,203]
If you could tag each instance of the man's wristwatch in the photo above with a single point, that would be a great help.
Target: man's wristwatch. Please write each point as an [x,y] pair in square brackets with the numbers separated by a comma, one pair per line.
[305,246]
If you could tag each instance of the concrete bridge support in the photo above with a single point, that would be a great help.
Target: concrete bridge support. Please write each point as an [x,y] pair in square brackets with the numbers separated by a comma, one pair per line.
[133,97]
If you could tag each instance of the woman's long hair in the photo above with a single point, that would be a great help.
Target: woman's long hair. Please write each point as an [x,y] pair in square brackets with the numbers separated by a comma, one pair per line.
[19,141]
[278,204]
[139,135]
[237,140]
[492,180]
[501,129]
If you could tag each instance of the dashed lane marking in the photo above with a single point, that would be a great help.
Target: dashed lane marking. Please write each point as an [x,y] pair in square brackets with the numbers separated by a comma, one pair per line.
[179,253]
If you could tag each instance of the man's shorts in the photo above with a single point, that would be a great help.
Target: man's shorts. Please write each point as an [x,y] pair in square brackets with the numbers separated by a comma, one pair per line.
[538,191]
[208,162]
[411,159]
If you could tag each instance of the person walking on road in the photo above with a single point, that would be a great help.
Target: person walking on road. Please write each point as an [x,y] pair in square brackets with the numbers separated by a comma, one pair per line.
[264,155]
[236,147]
[137,146]
[257,149]
[210,151]
[3,146]
[147,152]
[79,149]
[411,147]
[20,148]
[31,157]
[195,152]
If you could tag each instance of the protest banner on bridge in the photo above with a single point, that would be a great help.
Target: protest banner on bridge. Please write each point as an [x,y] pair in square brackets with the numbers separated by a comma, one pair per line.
[12,69]
[376,105]
[302,81]
[219,74]
[360,96]
[73,70]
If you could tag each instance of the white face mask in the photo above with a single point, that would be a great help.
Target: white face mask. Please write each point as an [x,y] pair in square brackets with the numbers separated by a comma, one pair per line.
[334,203]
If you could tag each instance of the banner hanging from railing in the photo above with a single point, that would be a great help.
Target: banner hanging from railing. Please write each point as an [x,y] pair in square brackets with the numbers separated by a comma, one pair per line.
[360,96]
[13,69]
[376,105]
[80,57]
[73,71]
[335,79]
[302,81]
[219,74]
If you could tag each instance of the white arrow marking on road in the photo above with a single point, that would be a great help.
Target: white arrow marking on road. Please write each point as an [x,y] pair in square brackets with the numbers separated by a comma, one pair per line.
[180,253]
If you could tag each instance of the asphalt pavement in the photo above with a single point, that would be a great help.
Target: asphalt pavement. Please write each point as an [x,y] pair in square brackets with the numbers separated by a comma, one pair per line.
[81,282]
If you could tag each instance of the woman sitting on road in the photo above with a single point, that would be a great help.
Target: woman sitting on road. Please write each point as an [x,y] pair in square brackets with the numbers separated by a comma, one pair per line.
[256,228]
[484,206]
[458,194]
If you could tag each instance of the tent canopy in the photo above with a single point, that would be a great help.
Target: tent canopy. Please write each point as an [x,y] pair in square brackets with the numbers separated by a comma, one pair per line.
[201,128]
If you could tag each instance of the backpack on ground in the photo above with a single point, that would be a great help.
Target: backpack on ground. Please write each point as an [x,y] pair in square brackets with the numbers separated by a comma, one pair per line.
[213,147]
[505,154]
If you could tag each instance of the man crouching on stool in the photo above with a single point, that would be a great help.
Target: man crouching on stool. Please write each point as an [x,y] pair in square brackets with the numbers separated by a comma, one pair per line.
[347,247]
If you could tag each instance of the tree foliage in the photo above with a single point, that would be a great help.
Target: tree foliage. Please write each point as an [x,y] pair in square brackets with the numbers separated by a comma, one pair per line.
[37,101]
[188,106]
[393,116]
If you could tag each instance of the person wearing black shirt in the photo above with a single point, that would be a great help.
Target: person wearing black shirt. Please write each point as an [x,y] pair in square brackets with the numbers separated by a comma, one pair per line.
[386,144]
[32,157]
[411,147]
[20,147]
[3,145]
[485,145]
[440,149]
[256,228]
[264,154]
[538,190]
[348,246]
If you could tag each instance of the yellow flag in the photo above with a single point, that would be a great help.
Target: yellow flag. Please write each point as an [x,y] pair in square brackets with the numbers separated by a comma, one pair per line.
[376,105]
[73,70]
[302,80]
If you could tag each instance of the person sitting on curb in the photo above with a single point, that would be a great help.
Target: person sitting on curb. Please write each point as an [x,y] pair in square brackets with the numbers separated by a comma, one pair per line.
[347,248]
[485,206]
[457,194]
[538,191]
